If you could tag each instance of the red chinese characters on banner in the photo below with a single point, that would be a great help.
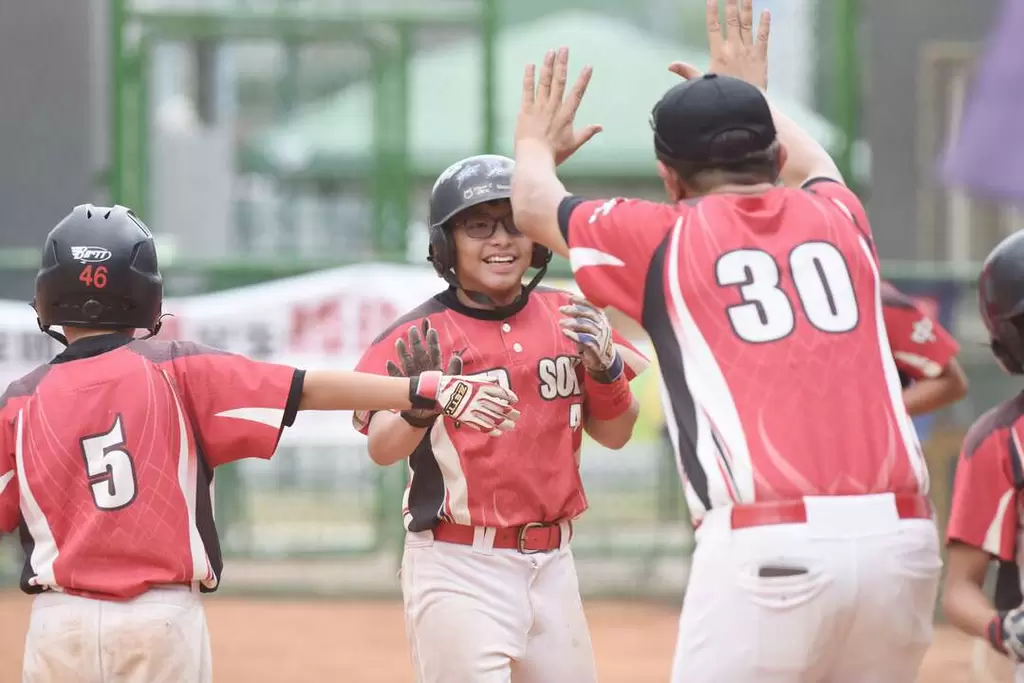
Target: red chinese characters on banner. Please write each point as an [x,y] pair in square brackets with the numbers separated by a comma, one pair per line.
[345,324]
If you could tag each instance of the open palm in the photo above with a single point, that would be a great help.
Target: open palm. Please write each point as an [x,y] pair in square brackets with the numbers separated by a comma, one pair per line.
[546,115]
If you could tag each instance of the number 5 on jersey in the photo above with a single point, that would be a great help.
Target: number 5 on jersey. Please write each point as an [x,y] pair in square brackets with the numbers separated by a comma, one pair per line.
[110,468]
[823,286]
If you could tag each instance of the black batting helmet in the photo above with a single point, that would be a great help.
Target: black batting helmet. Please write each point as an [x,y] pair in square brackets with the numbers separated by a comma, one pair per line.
[1001,300]
[99,271]
[466,183]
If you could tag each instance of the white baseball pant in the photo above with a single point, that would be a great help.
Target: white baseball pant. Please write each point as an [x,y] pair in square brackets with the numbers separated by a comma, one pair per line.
[478,614]
[158,637]
[849,597]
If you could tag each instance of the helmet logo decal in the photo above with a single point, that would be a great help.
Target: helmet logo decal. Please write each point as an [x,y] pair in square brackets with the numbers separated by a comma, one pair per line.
[90,254]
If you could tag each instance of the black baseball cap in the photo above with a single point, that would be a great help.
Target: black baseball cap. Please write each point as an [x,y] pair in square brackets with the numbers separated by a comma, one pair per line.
[691,117]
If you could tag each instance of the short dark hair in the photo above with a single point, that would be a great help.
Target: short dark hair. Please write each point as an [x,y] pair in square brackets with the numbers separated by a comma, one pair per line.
[723,167]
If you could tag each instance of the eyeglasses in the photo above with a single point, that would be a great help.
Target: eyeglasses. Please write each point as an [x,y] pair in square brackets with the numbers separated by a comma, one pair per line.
[484,228]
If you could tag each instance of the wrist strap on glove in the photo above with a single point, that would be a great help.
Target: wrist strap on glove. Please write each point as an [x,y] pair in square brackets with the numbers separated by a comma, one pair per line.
[423,390]
[613,373]
[996,634]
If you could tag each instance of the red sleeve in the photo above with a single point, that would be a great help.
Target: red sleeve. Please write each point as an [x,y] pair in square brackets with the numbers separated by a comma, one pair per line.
[611,245]
[921,347]
[374,361]
[238,406]
[9,508]
[984,508]
[844,198]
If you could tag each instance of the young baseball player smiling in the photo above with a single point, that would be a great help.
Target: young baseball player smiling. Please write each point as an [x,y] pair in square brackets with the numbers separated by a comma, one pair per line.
[488,578]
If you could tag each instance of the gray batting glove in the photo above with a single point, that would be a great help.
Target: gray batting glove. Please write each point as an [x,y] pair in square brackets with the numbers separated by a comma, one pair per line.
[416,358]
[589,327]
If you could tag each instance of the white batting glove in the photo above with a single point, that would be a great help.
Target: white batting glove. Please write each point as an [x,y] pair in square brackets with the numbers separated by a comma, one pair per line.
[590,328]
[478,402]
[1006,633]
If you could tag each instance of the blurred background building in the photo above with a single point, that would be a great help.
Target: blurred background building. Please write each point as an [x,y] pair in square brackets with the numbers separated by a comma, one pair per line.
[262,139]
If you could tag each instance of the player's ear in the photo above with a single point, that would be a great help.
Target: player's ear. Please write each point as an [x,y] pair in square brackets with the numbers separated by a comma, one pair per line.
[671,181]
[781,158]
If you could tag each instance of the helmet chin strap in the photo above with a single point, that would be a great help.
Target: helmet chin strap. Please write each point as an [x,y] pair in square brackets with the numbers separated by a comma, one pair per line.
[484,300]
[56,335]
[64,340]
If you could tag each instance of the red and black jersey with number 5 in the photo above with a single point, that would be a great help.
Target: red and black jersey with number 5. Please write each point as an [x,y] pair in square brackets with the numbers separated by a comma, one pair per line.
[530,474]
[107,457]
[766,314]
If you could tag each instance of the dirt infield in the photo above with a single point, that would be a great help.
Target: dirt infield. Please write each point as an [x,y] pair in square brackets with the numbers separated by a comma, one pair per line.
[255,641]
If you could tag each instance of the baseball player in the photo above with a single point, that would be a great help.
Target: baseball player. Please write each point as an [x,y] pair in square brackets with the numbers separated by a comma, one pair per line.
[488,578]
[107,456]
[925,354]
[817,556]
[985,516]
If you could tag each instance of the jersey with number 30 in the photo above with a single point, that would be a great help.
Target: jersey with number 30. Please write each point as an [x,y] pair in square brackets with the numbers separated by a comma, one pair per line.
[766,315]
[107,457]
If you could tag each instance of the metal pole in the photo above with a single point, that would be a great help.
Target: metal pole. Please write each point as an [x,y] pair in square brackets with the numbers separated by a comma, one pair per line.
[114,171]
[287,97]
[489,22]
[381,112]
[847,91]
[402,160]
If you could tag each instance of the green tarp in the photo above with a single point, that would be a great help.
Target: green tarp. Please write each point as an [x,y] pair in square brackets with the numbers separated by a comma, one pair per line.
[334,137]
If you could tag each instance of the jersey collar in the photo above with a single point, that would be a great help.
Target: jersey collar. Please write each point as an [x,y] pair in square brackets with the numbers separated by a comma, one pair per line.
[449,299]
[88,347]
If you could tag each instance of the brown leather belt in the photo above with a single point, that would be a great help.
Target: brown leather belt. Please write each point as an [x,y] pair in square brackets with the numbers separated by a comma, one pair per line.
[908,506]
[534,537]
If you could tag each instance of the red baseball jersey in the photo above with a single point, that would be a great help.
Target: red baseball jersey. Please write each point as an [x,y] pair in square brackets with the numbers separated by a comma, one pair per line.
[921,347]
[766,315]
[530,474]
[107,457]
[987,505]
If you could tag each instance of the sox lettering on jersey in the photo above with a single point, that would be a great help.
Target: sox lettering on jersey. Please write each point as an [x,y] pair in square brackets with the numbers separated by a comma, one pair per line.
[558,378]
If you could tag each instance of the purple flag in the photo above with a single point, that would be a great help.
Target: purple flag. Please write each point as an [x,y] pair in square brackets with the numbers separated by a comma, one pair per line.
[988,154]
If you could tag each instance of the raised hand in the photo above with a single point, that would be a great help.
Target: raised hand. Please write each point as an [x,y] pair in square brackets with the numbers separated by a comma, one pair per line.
[590,328]
[740,52]
[477,401]
[416,359]
[545,114]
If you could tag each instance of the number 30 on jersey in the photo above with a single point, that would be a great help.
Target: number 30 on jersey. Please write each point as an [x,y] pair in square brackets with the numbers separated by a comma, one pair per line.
[821,279]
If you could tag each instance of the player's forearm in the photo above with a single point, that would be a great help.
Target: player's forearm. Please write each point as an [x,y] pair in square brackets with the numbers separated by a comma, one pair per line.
[928,395]
[967,607]
[348,390]
[392,439]
[536,194]
[616,432]
[805,158]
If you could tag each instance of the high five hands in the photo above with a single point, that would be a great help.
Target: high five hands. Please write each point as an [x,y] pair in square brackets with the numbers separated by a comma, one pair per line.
[546,115]
[740,52]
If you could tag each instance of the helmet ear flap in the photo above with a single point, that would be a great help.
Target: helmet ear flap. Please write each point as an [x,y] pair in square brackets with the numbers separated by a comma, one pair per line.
[442,253]
[1006,347]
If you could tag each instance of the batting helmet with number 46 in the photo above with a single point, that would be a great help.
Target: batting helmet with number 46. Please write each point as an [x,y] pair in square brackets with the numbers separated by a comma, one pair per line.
[99,271]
